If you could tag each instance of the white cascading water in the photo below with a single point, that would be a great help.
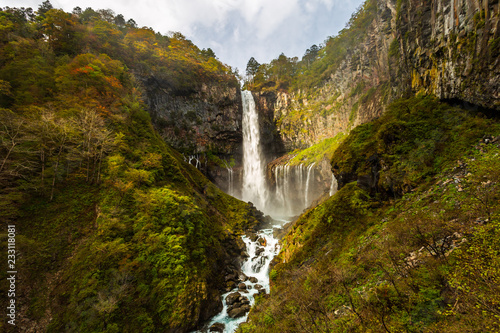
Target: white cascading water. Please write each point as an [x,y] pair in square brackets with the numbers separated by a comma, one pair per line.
[334,186]
[306,194]
[254,182]
[256,265]
[294,189]
[230,185]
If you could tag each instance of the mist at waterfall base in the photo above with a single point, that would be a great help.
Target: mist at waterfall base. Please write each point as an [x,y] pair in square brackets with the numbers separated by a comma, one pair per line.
[293,188]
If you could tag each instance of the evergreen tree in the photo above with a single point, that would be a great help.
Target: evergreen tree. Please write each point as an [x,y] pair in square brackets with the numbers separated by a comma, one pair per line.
[252,67]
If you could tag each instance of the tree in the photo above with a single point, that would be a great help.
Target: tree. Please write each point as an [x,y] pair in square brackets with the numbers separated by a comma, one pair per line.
[44,8]
[107,15]
[209,53]
[131,23]
[252,67]
[120,21]
[77,11]
[63,31]
[11,134]
[310,55]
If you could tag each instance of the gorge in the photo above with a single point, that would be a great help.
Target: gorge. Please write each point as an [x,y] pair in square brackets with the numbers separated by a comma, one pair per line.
[145,178]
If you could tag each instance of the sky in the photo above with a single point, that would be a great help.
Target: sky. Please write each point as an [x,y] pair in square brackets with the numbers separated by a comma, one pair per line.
[234,29]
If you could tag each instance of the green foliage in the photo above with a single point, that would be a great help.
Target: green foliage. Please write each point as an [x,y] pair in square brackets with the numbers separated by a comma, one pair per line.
[412,141]
[420,263]
[318,152]
[118,233]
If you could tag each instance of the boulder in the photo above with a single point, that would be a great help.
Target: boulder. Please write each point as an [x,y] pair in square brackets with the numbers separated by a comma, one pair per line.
[232,298]
[239,311]
[254,280]
[242,286]
[217,327]
[231,284]
[253,237]
[262,241]
[259,250]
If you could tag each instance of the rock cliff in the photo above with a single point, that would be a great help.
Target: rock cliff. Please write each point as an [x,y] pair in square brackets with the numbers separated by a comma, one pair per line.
[449,49]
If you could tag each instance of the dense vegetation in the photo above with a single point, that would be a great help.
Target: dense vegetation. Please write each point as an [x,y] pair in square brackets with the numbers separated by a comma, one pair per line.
[416,252]
[115,232]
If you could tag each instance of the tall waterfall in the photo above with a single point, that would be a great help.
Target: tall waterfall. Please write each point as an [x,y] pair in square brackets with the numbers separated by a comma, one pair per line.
[254,183]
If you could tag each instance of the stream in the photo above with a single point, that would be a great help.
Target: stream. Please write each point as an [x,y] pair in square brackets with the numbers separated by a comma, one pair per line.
[255,268]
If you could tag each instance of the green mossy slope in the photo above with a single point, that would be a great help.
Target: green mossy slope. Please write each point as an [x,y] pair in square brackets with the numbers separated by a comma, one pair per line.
[424,261]
[115,232]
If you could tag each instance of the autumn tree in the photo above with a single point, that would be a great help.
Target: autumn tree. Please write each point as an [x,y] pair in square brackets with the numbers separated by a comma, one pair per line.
[63,31]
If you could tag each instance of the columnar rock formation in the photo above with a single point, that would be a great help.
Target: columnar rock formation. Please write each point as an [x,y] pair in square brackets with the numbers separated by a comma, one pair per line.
[449,49]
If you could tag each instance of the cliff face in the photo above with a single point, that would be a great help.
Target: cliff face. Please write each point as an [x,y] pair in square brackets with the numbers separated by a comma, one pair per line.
[449,49]
[204,124]
[452,49]
[208,119]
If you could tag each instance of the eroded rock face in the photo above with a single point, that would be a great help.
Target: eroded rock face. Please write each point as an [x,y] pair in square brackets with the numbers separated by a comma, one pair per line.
[447,48]
[204,124]
[200,120]
[452,49]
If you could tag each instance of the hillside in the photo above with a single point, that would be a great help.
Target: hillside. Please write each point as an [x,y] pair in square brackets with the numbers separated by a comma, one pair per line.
[403,104]
[410,240]
[115,232]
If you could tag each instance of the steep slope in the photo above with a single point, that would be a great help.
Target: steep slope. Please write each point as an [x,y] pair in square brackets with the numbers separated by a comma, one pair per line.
[410,240]
[115,232]
[401,248]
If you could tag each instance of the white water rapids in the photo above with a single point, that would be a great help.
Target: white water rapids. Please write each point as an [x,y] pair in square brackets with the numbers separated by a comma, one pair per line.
[256,265]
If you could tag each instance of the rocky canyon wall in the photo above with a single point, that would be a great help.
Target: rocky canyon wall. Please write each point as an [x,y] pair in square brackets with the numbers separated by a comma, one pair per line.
[447,48]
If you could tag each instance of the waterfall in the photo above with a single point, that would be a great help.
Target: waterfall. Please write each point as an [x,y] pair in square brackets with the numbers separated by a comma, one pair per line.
[334,186]
[254,184]
[230,181]
[306,194]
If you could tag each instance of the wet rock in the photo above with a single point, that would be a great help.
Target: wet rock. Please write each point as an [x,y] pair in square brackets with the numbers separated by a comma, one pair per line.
[242,286]
[232,298]
[230,277]
[243,277]
[253,280]
[258,286]
[262,241]
[253,237]
[259,263]
[239,311]
[259,250]
[217,327]
[231,285]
